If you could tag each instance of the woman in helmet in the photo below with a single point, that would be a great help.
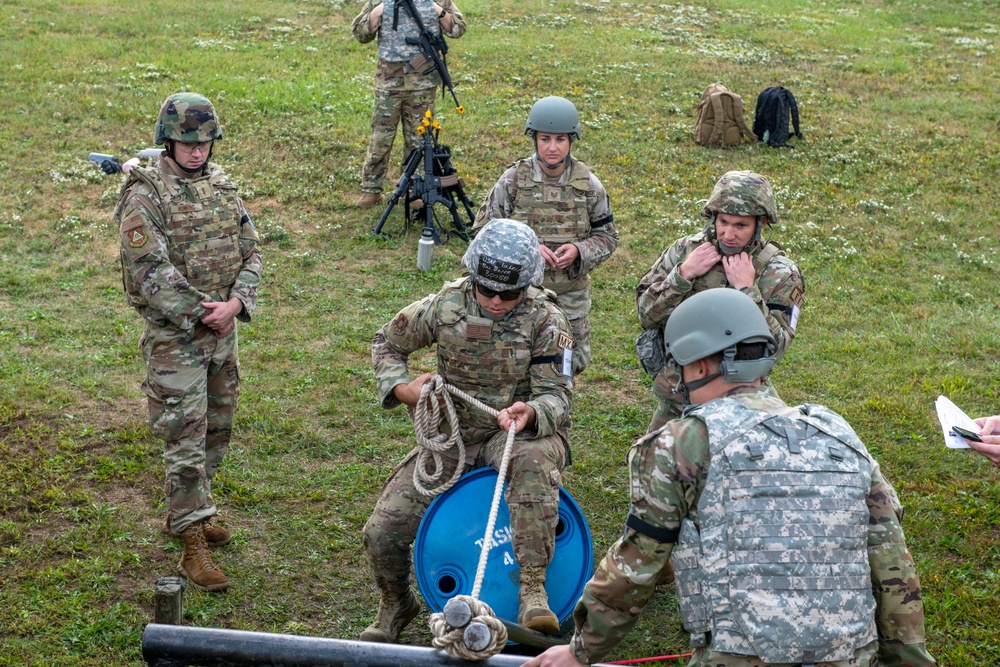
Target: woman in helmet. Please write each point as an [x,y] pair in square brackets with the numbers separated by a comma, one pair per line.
[561,199]
[191,268]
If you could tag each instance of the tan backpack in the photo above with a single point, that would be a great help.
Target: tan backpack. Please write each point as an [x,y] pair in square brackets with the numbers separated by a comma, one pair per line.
[720,118]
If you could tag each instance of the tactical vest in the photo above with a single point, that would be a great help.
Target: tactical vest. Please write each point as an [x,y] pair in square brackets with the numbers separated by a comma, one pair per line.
[716,276]
[781,559]
[392,44]
[557,213]
[201,221]
[489,360]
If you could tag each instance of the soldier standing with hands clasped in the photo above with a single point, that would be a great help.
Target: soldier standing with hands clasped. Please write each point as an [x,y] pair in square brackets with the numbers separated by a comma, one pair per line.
[191,268]
[560,198]
[504,341]
[402,94]
[785,536]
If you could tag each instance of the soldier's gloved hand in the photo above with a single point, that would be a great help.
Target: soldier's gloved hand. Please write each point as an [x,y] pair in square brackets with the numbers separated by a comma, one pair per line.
[111,166]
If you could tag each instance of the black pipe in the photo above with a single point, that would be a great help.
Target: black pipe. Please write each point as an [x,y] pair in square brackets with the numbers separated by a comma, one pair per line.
[176,646]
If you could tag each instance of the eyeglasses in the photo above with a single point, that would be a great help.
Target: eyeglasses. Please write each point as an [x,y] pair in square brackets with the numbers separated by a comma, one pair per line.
[192,146]
[505,295]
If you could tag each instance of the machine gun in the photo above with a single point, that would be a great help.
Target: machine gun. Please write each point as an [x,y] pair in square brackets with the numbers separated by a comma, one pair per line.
[429,178]
[433,51]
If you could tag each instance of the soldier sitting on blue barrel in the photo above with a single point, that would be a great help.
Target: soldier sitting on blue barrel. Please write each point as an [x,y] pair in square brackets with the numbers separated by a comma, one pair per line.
[503,340]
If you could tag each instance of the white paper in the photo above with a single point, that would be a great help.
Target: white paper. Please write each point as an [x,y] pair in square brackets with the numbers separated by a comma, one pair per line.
[950,415]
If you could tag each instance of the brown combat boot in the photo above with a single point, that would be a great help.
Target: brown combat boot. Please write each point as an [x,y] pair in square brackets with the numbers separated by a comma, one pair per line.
[395,611]
[197,565]
[215,536]
[368,199]
[534,612]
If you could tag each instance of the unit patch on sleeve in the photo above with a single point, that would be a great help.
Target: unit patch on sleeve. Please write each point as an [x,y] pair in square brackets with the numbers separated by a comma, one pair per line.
[399,325]
[136,239]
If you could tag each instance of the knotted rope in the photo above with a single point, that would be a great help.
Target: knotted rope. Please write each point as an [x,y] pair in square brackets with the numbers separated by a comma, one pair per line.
[467,628]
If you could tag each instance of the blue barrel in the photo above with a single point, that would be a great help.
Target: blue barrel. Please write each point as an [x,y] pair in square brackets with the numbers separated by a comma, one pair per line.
[450,537]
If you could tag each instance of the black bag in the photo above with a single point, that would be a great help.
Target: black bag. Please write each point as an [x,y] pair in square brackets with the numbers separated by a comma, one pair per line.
[770,124]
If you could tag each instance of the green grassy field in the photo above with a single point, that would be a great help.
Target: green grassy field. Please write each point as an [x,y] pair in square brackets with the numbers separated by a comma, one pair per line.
[888,205]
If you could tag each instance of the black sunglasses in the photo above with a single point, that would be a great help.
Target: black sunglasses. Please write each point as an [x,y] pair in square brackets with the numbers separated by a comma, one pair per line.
[505,295]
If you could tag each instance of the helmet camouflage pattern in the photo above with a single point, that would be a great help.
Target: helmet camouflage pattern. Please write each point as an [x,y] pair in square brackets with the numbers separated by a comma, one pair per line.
[742,193]
[187,117]
[504,255]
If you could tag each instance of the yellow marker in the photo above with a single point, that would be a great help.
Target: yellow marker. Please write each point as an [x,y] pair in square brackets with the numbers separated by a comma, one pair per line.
[460,110]
[421,129]
[428,114]
[436,125]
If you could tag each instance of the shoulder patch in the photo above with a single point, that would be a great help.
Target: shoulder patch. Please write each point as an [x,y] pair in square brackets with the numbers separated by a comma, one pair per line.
[565,341]
[135,237]
[399,324]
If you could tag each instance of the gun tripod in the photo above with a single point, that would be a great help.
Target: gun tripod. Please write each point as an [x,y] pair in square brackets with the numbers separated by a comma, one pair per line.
[436,183]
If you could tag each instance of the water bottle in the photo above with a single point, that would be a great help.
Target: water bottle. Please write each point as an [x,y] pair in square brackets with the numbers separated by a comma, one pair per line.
[425,248]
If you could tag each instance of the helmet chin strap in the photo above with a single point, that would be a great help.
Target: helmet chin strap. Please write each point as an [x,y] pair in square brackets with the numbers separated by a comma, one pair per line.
[169,150]
[685,388]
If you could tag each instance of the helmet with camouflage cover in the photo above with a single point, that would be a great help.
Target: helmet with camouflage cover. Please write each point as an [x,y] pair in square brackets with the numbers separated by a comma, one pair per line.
[187,117]
[714,321]
[742,193]
[554,115]
[504,255]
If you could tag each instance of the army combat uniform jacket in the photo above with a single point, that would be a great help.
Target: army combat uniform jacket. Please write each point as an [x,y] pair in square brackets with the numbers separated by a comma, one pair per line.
[516,359]
[394,71]
[184,241]
[855,534]
[779,290]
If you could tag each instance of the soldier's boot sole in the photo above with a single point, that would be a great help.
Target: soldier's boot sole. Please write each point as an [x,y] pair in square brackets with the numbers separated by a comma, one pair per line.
[540,619]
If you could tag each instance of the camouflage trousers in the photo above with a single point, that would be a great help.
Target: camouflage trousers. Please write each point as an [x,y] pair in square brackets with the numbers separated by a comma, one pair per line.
[670,405]
[192,384]
[392,106]
[533,478]
[866,656]
[581,343]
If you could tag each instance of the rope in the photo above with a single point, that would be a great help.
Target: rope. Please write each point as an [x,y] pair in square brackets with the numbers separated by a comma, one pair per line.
[427,424]
[467,628]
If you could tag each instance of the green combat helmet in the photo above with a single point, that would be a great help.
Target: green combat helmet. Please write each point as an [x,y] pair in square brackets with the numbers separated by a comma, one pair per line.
[741,193]
[714,321]
[504,255]
[187,117]
[554,115]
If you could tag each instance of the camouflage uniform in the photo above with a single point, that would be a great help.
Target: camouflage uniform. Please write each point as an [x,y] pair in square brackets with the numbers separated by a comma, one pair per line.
[499,362]
[570,208]
[779,289]
[754,562]
[401,93]
[184,241]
